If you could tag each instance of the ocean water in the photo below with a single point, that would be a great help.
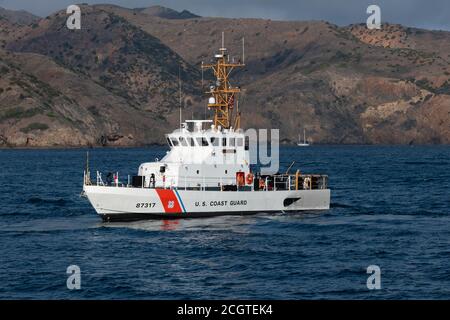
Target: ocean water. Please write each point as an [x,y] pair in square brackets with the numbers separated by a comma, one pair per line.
[390,208]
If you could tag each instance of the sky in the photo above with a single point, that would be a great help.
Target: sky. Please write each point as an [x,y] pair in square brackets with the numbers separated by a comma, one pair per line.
[427,14]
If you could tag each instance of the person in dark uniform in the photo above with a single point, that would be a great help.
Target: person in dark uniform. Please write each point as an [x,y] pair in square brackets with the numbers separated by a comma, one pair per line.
[109,178]
[152,180]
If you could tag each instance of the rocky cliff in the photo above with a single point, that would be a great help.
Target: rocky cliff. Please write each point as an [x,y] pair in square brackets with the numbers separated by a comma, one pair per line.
[115,82]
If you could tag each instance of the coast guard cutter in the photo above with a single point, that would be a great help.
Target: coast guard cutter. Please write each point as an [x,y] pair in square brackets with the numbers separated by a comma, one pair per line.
[207,170]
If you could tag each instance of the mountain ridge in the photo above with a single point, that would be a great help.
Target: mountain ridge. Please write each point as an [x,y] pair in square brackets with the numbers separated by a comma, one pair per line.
[19,17]
[344,84]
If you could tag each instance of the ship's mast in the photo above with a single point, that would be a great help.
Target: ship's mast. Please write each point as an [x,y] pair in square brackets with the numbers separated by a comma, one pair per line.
[224,97]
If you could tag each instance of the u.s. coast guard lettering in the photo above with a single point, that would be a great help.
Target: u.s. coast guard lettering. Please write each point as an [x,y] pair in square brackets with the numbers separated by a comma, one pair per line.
[221,203]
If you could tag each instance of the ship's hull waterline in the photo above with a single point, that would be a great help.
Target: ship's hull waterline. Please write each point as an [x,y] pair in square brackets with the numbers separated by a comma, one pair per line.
[126,204]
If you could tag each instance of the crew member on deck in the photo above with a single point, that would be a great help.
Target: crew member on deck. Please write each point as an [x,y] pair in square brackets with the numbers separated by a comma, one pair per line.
[152,180]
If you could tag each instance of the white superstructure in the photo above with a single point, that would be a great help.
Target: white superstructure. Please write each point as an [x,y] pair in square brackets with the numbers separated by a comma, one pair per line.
[199,155]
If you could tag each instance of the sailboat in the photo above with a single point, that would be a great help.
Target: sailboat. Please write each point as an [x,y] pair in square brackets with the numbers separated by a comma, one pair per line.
[304,143]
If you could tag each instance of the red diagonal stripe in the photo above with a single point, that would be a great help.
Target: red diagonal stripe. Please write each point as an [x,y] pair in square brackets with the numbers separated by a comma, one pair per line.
[169,201]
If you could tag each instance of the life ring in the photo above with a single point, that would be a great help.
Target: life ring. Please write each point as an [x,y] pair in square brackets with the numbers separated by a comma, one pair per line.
[262,184]
[240,177]
[249,178]
[307,183]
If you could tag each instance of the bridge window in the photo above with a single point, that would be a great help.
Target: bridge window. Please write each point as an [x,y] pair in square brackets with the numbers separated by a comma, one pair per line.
[239,142]
[175,141]
[232,142]
[215,141]
[202,142]
[224,142]
[190,141]
[169,143]
[183,142]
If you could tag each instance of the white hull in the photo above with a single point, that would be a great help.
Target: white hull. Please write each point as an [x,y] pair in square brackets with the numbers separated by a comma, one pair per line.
[123,203]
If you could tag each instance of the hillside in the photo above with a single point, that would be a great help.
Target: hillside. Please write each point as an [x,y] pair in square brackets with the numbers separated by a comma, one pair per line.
[19,17]
[112,81]
[166,13]
[117,78]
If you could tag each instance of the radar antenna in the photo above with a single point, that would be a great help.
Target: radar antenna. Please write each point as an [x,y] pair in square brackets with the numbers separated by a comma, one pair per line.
[223,96]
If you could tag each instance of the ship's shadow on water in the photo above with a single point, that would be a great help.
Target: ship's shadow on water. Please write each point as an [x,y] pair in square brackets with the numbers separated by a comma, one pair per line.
[390,207]
[197,224]
[233,223]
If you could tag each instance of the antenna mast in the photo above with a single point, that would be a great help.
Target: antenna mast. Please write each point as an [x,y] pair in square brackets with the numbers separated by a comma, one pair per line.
[179,86]
[223,95]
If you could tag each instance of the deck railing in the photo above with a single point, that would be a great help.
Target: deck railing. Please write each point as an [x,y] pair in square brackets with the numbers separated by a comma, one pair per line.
[270,183]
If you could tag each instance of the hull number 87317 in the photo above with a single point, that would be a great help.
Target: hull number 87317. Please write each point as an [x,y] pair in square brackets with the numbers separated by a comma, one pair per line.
[145,205]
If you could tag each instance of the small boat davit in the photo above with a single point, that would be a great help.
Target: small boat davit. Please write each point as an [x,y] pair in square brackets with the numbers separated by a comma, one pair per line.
[207,170]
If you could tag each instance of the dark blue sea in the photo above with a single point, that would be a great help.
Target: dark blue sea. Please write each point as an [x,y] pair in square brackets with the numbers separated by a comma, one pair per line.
[390,208]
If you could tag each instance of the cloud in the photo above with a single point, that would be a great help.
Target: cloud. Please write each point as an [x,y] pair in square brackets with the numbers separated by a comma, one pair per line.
[433,14]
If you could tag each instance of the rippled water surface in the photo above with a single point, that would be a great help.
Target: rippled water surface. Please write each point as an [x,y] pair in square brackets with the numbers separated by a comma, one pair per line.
[390,207]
